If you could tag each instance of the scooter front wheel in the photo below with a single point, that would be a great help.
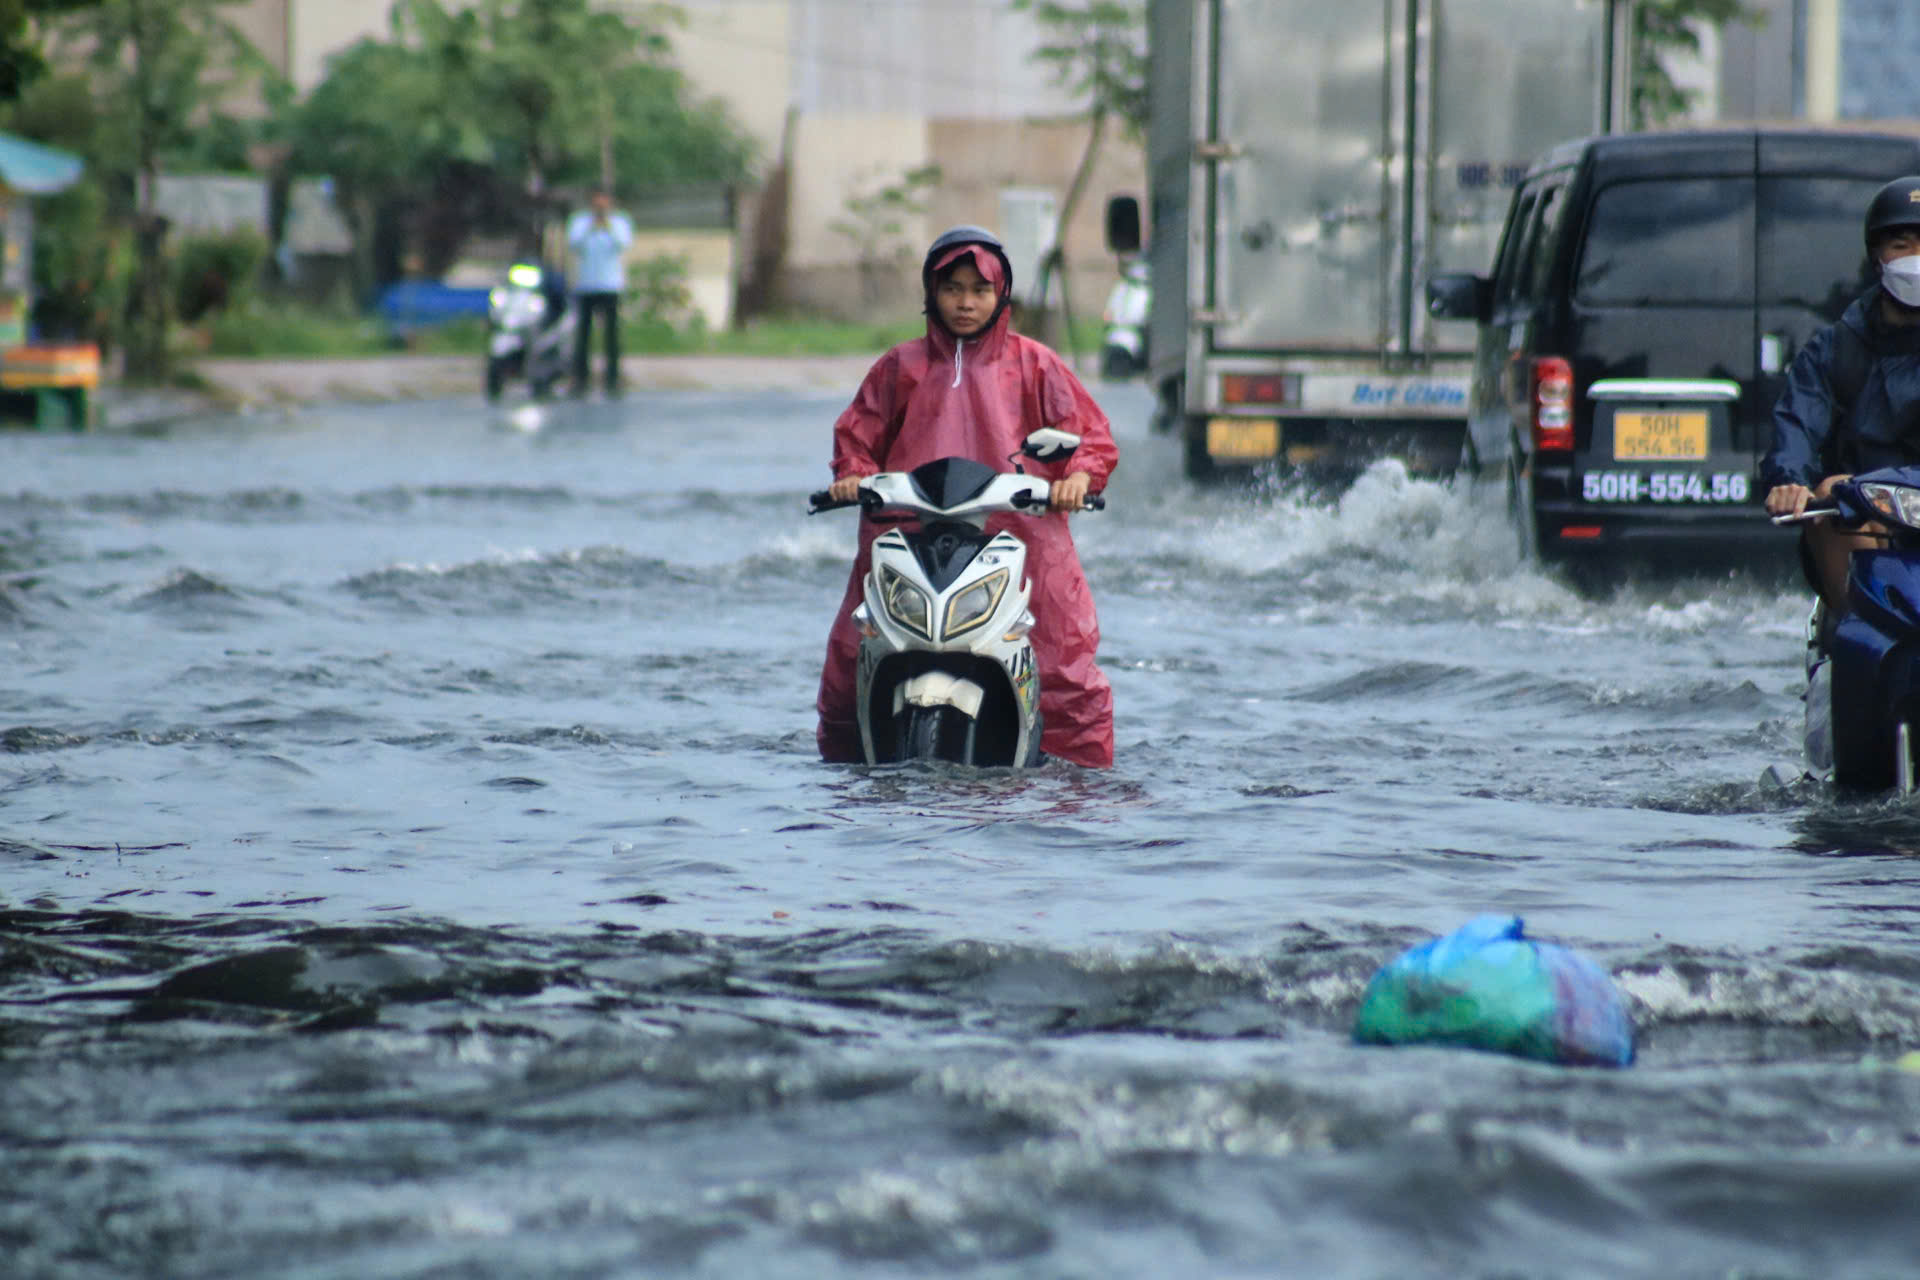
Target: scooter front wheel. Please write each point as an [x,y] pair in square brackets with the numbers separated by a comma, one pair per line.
[921,733]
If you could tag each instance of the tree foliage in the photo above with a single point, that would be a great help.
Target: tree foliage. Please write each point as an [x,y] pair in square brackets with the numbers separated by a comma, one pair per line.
[21,58]
[1662,30]
[1097,51]
[479,117]
[159,71]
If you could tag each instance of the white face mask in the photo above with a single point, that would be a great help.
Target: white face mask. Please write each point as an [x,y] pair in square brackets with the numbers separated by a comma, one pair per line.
[1901,278]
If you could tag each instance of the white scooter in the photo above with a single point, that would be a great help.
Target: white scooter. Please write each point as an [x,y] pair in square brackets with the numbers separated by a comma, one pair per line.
[529,332]
[1123,341]
[946,669]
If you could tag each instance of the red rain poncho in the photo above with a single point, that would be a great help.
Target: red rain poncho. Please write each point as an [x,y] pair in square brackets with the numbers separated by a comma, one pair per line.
[978,398]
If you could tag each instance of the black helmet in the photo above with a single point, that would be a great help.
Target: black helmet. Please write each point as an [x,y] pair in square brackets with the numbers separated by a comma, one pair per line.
[958,236]
[1895,205]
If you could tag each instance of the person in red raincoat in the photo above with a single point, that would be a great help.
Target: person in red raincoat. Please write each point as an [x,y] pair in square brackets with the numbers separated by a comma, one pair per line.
[973,388]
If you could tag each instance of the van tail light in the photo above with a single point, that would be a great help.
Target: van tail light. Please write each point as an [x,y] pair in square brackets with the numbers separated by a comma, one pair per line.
[1552,405]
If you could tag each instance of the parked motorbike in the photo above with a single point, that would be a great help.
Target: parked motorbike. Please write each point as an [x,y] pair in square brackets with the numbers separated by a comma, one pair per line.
[1123,343]
[946,666]
[529,331]
[1863,672]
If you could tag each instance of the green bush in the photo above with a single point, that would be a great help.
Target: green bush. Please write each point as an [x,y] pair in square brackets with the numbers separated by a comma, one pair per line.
[212,273]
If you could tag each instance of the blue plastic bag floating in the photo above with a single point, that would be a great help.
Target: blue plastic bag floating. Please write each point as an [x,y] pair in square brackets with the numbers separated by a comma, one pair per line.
[1485,986]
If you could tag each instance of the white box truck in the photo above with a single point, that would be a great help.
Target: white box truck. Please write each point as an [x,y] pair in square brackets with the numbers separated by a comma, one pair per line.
[1311,164]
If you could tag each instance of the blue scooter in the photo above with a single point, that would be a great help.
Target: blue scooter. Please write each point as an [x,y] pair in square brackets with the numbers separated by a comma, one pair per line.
[1863,673]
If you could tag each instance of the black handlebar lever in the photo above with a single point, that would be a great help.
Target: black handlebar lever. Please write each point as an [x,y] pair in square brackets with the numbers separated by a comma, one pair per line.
[1809,514]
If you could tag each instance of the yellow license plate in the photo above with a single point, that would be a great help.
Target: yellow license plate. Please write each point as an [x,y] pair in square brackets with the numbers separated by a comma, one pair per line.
[1662,436]
[1243,437]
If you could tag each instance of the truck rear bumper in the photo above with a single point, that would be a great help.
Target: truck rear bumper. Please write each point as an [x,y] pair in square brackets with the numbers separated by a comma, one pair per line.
[1323,445]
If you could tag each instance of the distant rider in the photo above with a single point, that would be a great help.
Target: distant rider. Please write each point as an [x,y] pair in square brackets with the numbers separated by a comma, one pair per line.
[973,388]
[1852,400]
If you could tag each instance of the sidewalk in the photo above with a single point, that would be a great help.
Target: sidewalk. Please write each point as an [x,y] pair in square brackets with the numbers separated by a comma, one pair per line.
[268,382]
[410,377]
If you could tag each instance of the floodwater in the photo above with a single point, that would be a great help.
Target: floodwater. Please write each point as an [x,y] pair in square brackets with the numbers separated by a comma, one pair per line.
[414,862]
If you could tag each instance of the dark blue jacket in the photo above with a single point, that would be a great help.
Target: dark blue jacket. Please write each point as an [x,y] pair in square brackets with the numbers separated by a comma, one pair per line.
[1814,436]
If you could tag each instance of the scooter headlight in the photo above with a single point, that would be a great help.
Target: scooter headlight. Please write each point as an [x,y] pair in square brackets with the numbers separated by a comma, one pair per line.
[1896,502]
[524,274]
[906,604]
[976,604]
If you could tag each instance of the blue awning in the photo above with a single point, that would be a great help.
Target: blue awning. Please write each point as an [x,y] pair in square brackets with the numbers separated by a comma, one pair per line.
[34,169]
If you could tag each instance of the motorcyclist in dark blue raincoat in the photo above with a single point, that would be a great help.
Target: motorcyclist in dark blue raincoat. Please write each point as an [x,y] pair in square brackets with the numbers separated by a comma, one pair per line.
[1852,400]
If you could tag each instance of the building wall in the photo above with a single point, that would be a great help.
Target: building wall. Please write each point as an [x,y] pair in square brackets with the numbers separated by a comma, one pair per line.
[962,58]
[1879,49]
[266,24]
[318,29]
[837,157]
[985,159]
[739,51]
[1760,68]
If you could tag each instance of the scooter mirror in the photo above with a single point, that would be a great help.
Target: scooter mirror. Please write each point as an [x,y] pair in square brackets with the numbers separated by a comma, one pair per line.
[1049,443]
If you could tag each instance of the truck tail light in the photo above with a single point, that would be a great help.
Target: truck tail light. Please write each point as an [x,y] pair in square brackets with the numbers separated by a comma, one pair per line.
[1552,404]
[1260,388]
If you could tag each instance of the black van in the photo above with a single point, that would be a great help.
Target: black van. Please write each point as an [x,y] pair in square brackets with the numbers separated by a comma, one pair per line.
[1649,292]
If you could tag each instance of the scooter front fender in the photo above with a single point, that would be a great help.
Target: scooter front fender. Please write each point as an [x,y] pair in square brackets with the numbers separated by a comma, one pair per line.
[1876,684]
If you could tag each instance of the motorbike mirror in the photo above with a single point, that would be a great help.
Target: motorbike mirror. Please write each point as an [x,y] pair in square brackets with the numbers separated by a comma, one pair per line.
[1049,443]
[1123,224]
[1460,296]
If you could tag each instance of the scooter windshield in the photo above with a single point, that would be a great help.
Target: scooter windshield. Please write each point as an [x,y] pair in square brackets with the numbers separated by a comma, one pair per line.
[948,482]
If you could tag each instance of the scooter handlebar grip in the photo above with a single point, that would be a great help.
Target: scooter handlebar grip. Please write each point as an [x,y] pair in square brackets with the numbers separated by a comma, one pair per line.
[824,501]
[1096,502]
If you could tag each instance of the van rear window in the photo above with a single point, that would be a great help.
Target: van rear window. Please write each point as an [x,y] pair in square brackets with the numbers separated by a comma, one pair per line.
[1675,241]
[1811,253]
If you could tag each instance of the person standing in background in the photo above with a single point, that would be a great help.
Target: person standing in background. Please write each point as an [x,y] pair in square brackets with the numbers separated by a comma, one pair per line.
[598,236]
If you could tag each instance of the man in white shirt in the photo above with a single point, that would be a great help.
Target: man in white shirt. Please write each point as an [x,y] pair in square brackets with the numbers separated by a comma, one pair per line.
[599,237]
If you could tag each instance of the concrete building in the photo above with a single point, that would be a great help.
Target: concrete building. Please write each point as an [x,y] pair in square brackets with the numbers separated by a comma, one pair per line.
[1821,60]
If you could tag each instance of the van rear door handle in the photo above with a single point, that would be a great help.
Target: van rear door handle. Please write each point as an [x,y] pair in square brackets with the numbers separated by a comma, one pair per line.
[1775,350]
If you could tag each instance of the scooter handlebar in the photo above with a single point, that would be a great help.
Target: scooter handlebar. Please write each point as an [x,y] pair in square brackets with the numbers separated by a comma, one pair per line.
[823,500]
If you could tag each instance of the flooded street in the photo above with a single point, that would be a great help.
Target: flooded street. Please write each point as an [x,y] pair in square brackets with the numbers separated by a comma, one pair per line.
[414,861]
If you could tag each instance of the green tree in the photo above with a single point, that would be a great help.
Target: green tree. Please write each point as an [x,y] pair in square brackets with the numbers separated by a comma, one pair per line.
[21,59]
[379,128]
[161,68]
[473,117]
[1662,30]
[1096,50]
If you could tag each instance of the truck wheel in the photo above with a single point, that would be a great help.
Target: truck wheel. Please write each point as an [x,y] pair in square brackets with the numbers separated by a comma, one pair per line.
[1520,512]
[1199,461]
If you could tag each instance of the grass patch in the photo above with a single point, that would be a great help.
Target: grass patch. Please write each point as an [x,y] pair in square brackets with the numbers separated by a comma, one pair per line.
[258,328]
